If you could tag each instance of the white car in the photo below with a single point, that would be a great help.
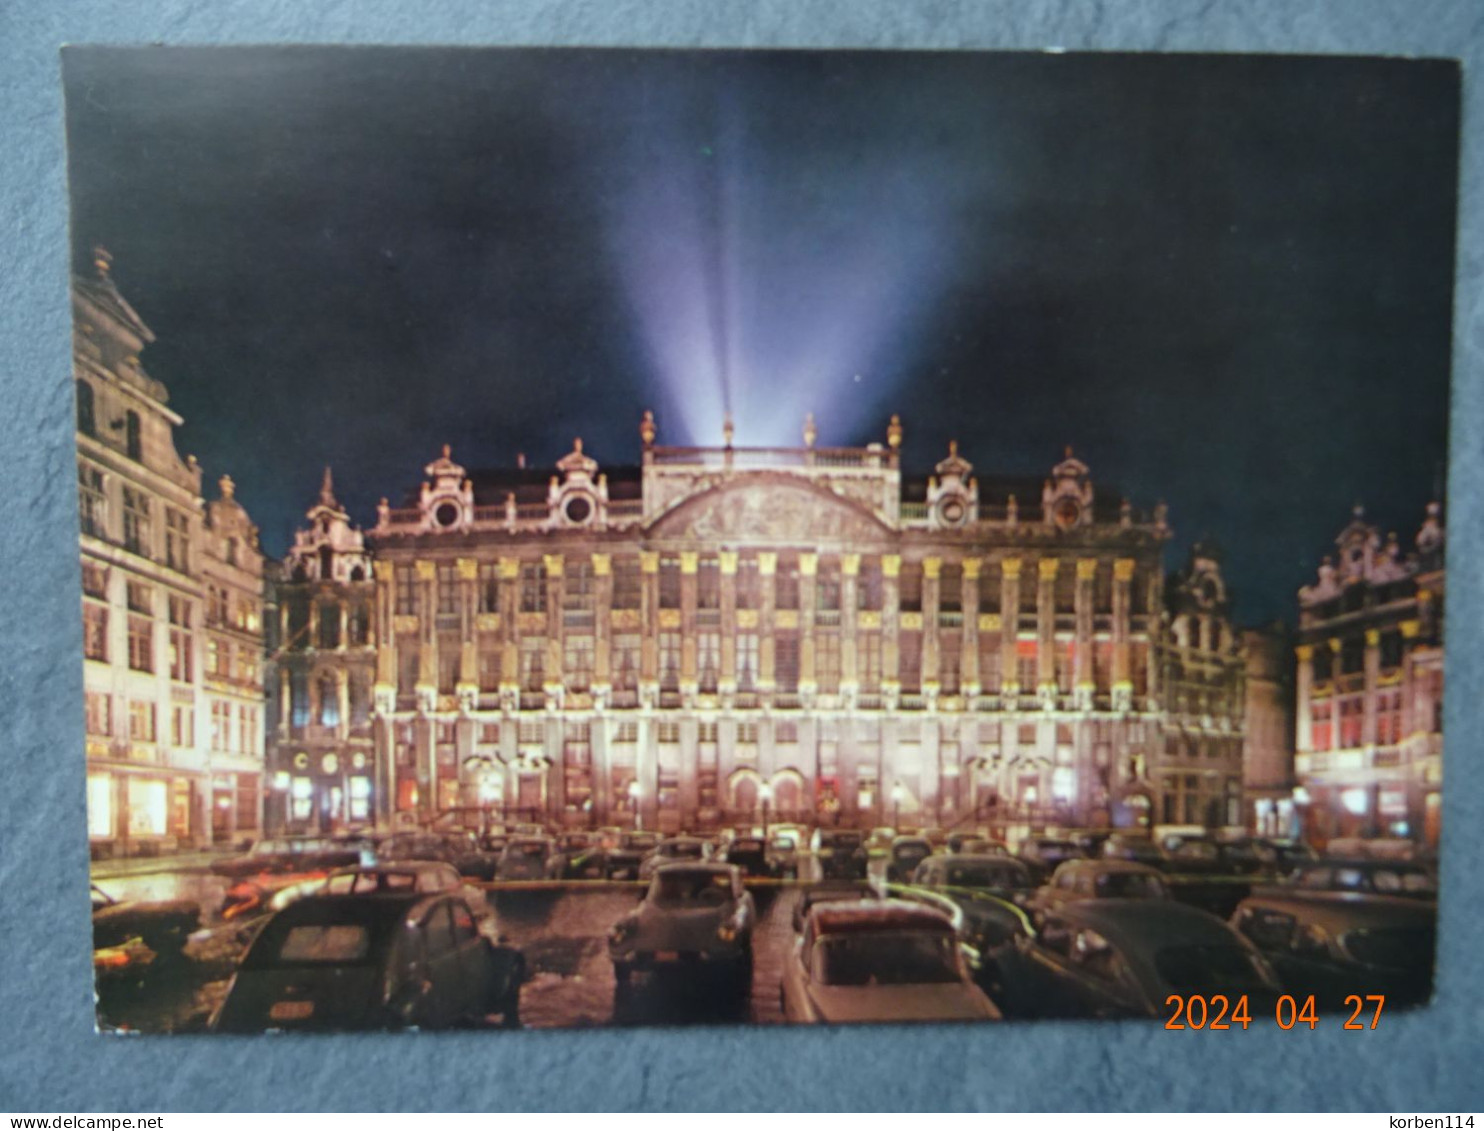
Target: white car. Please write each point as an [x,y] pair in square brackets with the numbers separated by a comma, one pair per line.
[694,923]
[879,960]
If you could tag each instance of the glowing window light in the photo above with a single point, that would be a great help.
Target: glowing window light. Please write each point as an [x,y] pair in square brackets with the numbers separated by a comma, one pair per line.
[1356,801]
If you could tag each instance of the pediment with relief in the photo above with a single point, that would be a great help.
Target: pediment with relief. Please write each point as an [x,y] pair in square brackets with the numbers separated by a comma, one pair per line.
[768,509]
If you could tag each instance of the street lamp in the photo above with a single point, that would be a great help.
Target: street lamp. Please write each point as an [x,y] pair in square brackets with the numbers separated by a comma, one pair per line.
[635,792]
[897,793]
[765,795]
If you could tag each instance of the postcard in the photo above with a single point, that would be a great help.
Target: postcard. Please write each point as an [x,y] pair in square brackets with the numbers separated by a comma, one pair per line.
[600,537]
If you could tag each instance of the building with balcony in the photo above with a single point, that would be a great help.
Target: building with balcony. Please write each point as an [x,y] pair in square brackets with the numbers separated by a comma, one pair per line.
[683,642]
[172,595]
[1369,709]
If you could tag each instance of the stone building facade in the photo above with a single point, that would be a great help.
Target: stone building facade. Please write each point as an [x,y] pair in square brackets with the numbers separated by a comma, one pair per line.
[721,631]
[172,606]
[1370,686]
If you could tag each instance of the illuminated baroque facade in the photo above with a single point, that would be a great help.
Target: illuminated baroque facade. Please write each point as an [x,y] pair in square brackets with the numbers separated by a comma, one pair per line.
[720,632]
[1370,686]
[172,607]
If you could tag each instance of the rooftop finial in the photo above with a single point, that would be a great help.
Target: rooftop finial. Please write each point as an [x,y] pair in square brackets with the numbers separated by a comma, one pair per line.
[811,433]
[953,447]
[228,488]
[102,260]
[327,489]
[727,429]
[647,429]
[894,432]
[577,445]
[447,451]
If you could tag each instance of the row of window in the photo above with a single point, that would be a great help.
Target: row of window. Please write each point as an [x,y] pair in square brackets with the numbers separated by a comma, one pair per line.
[235,728]
[579,586]
[87,421]
[1339,723]
[224,660]
[333,624]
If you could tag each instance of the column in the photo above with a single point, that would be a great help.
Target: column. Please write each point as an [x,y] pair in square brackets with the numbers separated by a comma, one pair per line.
[1123,574]
[602,631]
[1304,718]
[1084,679]
[554,596]
[509,601]
[1010,687]
[467,685]
[689,562]
[649,604]
[427,651]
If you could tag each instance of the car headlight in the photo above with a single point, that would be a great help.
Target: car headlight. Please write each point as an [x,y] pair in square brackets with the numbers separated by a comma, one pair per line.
[726,932]
[620,933]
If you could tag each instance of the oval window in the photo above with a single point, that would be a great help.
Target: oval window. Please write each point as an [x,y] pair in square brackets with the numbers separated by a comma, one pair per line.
[578,509]
[447,514]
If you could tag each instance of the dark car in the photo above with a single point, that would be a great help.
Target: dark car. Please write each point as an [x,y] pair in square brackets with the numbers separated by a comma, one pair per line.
[526,858]
[1044,853]
[750,853]
[301,854]
[841,854]
[135,934]
[675,850]
[991,893]
[831,891]
[632,849]
[1337,944]
[1139,849]
[578,856]
[1126,957]
[905,854]
[461,849]
[1283,855]
[1078,880]
[384,961]
[1367,877]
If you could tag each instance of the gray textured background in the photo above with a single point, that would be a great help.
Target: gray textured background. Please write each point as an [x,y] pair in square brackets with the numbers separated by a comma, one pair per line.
[52,1060]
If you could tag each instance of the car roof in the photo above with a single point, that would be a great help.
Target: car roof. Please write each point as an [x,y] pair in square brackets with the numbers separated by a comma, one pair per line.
[696,867]
[991,859]
[905,840]
[396,867]
[865,915]
[1346,910]
[372,908]
[1104,865]
[1141,923]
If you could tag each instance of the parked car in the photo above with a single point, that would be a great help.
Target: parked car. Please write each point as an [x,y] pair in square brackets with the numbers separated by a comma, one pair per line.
[297,854]
[694,922]
[998,875]
[905,854]
[1368,877]
[384,961]
[673,850]
[136,935]
[1337,944]
[841,854]
[991,894]
[879,960]
[461,849]
[525,858]
[1127,846]
[1282,855]
[1078,880]
[1125,957]
[750,854]
[977,841]
[633,847]
[831,891]
[578,856]
[428,877]
[1044,853]
[783,856]
[1371,848]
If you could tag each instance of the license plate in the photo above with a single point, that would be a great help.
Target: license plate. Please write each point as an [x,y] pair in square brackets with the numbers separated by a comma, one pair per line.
[291,1010]
[667,956]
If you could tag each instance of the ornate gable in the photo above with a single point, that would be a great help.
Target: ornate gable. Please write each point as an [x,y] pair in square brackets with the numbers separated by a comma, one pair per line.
[765,508]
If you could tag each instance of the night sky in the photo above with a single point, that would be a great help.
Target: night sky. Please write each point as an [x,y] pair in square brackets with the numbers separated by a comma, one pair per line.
[1225,280]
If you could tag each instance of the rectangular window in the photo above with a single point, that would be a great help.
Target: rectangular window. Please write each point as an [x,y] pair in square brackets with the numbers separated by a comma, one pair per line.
[909,587]
[247,727]
[1064,652]
[627,583]
[827,661]
[94,631]
[140,597]
[749,585]
[949,659]
[489,587]
[786,661]
[182,666]
[406,591]
[747,734]
[95,580]
[708,660]
[990,587]
[669,583]
[92,501]
[141,644]
[491,661]
[668,732]
[747,661]
[989,662]
[1026,665]
[669,661]
[577,661]
[136,522]
[827,588]
[448,666]
[1352,720]
[909,647]
[141,721]
[868,660]
[182,726]
[951,588]
[533,587]
[869,586]
[625,662]
[532,664]
[177,540]
[99,713]
[448,589]
[708,584]
[1322,726]
[577,587]
[329,625]
[786,584]
[299,698]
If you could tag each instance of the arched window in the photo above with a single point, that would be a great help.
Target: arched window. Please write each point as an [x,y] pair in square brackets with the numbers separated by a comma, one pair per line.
[86,421]
[133,440]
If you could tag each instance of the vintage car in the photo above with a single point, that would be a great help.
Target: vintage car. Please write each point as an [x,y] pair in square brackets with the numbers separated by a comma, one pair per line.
[694,923]
[840,854]
[624,859]
[905,854]
[1106,958]
[831,891]
[428,877]
[578,856]
[675,850]
[783,856]
[990,894]
[977,841]
[379,961]
[1368,877]
[297,854]
[1077,880]
[1371,848]
[1044,853]
[135,935]
[1283,855]
[461,849]
[750,853]
[878,843]
[526,858]
[879,960]
[1127,846]
[1337,944]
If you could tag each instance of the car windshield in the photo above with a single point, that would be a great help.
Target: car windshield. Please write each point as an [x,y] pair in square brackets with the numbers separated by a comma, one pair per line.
[706,888]
[1406,881]
[842,840]
[643,843]
[1206,968]
[340,943]
[782,844]
[682,850]
[532,849]
[1394,948]
[886,958]
[911,851]
[1196,850]
[740,846]
[984,876]
[1129,885]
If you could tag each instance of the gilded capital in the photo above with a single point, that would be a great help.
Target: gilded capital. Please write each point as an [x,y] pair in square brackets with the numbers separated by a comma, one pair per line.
[971,569]
[1123,569]
[649,561]
[1087,569]
[767,563]
[728,560]
[1373,638]
[509,569]
[932,567]
[891,565]
[1334,644]
[1411,628]
[689,561]
[1304,653]
[427,571]
[1010,567]
[1046,569]
[602,565]
[468,569]
[808,565]
[553,564]
[850,565]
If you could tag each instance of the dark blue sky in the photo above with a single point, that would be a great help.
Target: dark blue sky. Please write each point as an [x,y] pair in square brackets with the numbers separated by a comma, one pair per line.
[1225,279]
